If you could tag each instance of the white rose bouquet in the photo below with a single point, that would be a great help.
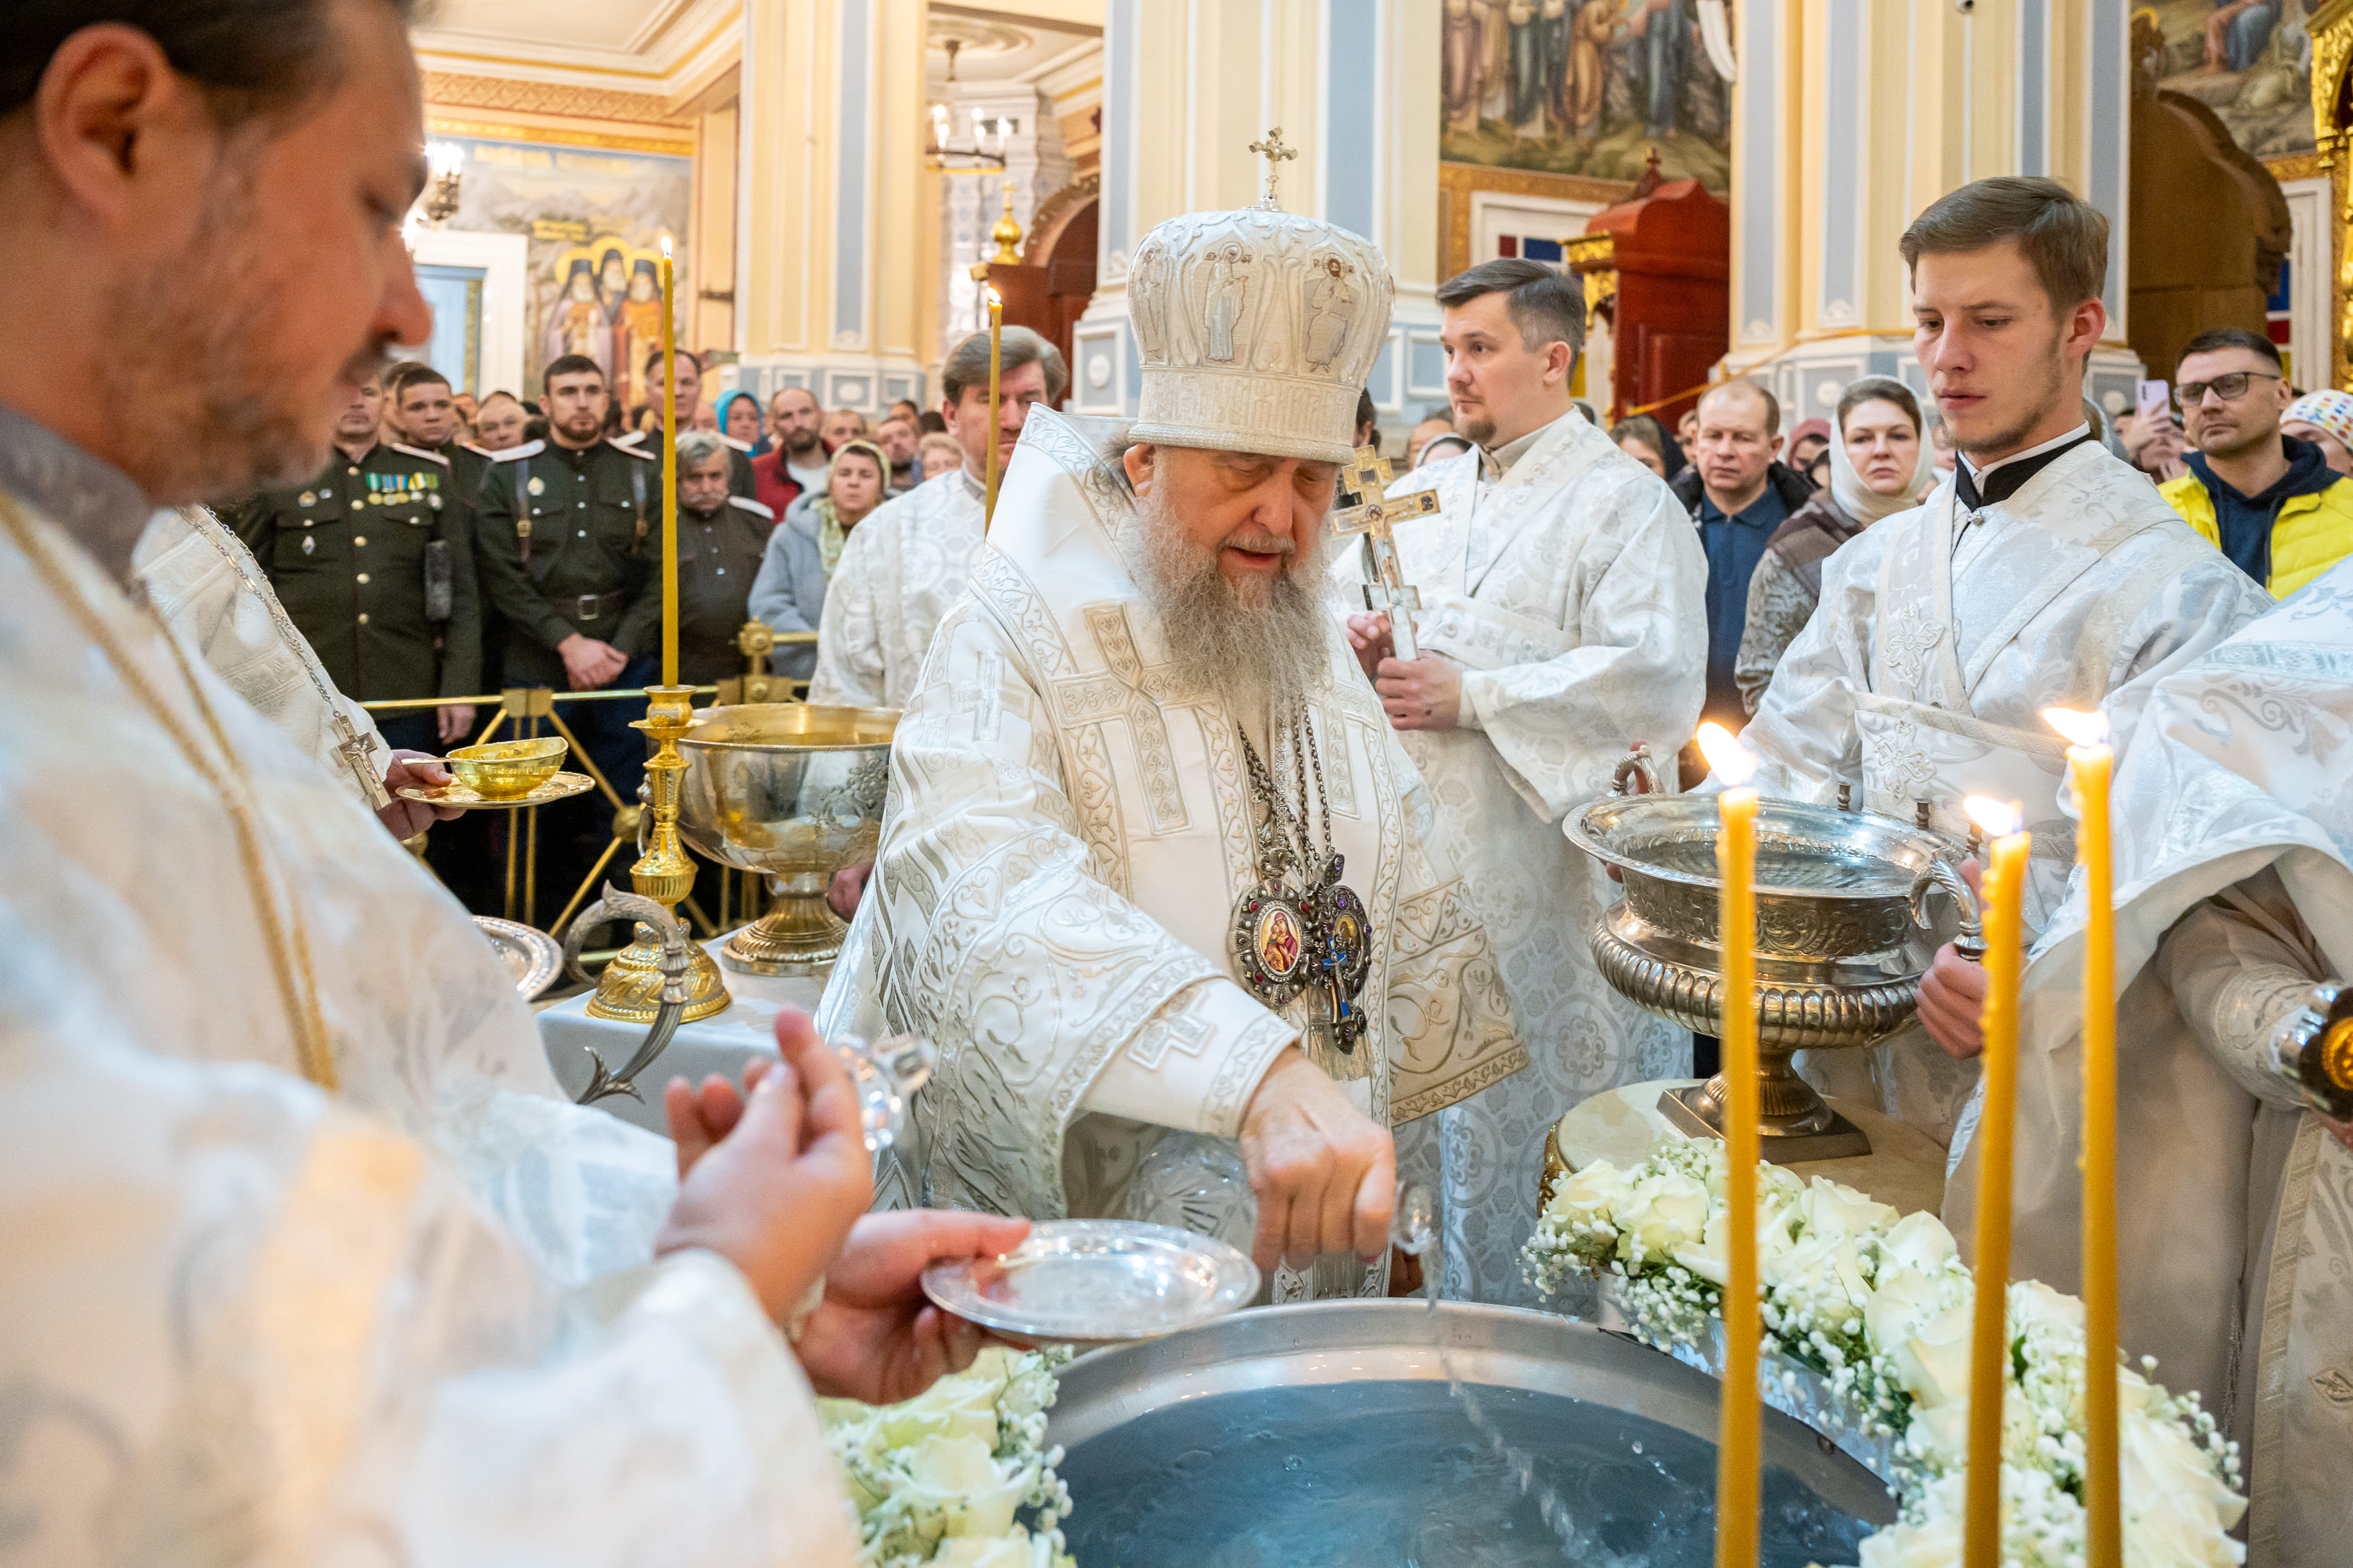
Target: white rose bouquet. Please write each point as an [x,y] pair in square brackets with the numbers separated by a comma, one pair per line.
[1880,1307]
[940,1482]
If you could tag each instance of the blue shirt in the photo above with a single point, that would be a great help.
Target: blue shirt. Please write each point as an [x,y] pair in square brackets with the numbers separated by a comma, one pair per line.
[1734,545]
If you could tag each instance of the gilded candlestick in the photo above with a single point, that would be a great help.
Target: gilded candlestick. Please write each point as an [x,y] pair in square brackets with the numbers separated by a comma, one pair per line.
[630,987]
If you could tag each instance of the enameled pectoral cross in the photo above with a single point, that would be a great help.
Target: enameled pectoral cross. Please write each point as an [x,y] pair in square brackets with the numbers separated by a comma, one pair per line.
[1366,510]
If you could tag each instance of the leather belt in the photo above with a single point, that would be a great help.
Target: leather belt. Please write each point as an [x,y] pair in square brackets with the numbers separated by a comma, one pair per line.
[587,606]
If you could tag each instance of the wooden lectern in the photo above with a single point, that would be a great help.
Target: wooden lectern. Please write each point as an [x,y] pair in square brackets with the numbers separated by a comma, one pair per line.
[1659,265]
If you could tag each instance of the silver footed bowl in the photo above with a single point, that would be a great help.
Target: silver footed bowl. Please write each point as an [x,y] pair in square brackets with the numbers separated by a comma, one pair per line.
[793,791]
[1847,923]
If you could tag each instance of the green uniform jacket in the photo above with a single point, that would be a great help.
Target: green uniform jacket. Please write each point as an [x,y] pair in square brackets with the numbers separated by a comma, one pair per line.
[719,554]
[567,541]
[346,554]
[471,465]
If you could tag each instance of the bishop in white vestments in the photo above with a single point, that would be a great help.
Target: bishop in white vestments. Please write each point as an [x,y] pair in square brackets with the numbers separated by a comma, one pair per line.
[1151,852]
[2233,891]
[913,557]
[1565,588]
[2042,570]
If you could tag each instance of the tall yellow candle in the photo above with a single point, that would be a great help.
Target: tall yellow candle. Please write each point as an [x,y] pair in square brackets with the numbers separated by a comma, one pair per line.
[1738,1477]
[2090,763]
[2005,888]
[670,472]
[996,415]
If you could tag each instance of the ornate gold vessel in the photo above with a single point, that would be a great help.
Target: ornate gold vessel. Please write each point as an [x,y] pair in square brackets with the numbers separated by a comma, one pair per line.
[1847,923]
[794,791]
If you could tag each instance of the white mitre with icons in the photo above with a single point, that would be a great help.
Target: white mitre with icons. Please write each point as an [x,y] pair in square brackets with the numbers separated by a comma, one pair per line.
[1258,329]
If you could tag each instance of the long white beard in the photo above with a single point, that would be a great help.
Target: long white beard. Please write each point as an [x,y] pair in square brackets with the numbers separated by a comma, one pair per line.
[1264,657]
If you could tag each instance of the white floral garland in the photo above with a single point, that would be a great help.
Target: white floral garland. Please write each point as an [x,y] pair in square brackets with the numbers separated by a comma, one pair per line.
[1880,1306]
[938,1481]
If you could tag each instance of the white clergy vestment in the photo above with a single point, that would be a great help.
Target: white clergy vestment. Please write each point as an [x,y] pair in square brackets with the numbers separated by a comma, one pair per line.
[900,569]
[249,1322]
[202,582]
[1572,591]
[2233,890]
[1941,636]
[1067,834]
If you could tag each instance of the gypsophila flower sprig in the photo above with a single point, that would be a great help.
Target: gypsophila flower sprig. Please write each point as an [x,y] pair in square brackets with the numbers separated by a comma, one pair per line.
[942,1480]
[1879,1306]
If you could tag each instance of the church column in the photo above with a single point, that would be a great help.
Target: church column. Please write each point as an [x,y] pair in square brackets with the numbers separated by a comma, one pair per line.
[1894,103]
[1189,84]
[833,236]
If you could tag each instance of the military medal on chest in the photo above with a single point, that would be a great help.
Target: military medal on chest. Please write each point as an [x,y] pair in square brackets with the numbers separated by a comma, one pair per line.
[1301,930]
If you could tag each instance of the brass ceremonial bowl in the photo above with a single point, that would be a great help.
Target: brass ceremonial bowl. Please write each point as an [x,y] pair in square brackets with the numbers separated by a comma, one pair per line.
[793,791]
[505,769]
[1846,925]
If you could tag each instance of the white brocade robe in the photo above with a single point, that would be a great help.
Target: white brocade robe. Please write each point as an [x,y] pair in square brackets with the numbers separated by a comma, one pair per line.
[1572,591]
[1067,836]
[2234,878]
[900,571]
[415,1320]
[1940,637]
[204,583]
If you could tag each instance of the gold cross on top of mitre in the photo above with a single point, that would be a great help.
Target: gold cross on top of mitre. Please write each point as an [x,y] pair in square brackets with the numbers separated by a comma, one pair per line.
[1274,153]
[1364,484]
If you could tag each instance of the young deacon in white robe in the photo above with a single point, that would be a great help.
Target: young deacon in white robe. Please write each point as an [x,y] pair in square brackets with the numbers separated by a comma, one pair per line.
[2044,571]
[1074,824]
[914,556]
[306,1257]
[2233,891]
[1564,618]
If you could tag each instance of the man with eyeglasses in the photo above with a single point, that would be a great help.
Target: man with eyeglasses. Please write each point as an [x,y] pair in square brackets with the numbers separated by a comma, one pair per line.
[2267,500]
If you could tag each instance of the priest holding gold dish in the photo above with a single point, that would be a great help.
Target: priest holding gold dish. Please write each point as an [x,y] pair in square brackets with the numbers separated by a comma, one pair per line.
[1157,878]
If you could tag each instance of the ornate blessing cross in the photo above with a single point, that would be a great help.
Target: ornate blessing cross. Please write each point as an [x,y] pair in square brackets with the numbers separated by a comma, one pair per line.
[1367,512]
[1275,152]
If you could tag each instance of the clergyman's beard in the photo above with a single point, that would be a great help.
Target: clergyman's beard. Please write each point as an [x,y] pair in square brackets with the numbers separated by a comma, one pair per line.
[1267,656]
[221,417]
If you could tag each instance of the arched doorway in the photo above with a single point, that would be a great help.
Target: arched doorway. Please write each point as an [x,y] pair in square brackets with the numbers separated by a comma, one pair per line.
[1062,251]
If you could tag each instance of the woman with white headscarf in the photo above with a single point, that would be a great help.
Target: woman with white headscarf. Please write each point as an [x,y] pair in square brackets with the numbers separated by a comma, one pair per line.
[1879,467]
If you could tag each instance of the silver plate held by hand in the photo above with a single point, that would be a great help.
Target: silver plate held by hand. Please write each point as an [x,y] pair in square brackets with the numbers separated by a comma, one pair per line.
[1096,1281]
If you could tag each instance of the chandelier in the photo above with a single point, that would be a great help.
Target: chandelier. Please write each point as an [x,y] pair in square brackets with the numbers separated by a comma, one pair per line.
[977,151]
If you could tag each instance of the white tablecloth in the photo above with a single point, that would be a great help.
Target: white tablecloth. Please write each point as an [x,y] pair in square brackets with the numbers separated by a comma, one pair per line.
[722,1043]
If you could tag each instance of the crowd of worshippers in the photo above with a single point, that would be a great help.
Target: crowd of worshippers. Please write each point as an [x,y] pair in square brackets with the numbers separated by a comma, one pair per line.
[452,547]
[515,544]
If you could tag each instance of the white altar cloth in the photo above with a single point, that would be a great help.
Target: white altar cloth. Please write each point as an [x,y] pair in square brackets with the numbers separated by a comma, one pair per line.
[722,1043]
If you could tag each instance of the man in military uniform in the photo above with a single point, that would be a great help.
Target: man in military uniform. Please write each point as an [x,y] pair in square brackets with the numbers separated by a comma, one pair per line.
[568,539]
[420,411]
[374,560]
[689,398]
[721,540]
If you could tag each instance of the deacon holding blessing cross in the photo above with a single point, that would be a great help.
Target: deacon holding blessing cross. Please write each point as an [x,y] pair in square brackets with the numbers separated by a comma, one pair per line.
[1155,876]
[1562,596]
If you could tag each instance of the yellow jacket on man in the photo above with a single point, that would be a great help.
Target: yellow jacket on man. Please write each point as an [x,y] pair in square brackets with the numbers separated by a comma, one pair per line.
[2311,530]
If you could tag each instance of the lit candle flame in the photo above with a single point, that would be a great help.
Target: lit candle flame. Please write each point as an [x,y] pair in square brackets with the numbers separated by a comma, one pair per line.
[1733,763]
[995,299]
[1999,818]
[2081,728]
[665,246]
